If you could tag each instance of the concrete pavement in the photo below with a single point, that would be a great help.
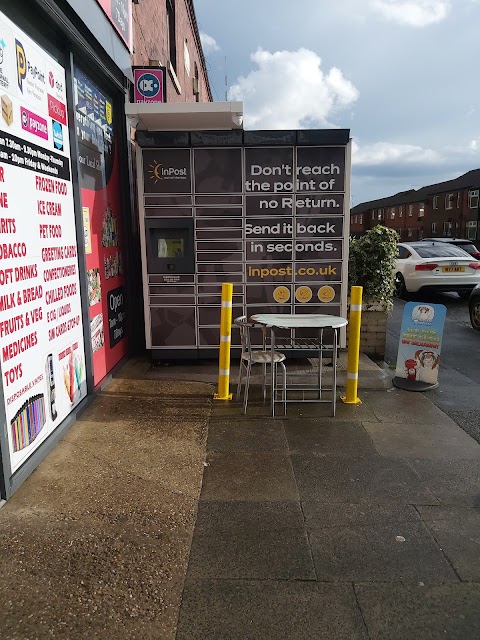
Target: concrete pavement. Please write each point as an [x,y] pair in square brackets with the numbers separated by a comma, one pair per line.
[163,514]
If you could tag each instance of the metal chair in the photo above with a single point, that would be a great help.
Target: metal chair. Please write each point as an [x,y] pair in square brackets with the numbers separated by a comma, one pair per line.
[263,356]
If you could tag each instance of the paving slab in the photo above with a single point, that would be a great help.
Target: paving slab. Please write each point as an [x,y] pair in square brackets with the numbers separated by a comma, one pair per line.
[317,436]
[250,541]
[374,543]
[247,436]
[453,482]
[413,408]
[353,480]
[457,531]
[248,476]
[442,440]
[270,610]
[415,612]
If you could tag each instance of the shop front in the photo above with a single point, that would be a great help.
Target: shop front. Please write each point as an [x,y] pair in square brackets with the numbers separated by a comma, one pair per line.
[64,215]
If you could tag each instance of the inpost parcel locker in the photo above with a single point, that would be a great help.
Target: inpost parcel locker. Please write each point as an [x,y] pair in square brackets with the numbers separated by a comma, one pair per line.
[265,210]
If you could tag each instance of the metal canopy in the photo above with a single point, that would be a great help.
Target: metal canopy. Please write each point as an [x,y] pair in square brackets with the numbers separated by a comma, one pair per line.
[185,116]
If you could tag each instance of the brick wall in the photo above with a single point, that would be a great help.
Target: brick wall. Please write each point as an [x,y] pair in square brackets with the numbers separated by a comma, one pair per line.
[151,43]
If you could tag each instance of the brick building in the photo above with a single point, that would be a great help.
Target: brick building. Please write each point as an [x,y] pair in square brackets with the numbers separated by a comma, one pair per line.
[165,33]
[445,209]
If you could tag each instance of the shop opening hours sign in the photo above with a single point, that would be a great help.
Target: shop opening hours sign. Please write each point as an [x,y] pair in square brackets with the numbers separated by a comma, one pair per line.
[41,334]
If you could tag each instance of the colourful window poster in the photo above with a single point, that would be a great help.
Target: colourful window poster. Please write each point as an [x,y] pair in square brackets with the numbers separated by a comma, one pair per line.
[41,331]
[101,205]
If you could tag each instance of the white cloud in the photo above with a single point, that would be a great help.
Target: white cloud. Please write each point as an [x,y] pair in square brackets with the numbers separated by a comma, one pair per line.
[209,44]
[413,13]
[383,153]
[289,90]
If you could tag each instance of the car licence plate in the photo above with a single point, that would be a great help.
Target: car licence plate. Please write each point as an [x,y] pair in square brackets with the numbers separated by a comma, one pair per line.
[453,269]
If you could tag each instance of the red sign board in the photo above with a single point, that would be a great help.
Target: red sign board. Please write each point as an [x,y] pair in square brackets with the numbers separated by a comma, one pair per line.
[119,12]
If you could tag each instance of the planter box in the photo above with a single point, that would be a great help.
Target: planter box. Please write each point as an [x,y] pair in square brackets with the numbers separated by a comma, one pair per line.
[373,331]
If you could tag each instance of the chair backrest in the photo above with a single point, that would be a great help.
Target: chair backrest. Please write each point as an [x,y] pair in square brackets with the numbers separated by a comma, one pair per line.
[244,325]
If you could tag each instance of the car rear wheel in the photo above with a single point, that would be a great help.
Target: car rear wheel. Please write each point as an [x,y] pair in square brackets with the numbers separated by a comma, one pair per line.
[400,288]
[474,309]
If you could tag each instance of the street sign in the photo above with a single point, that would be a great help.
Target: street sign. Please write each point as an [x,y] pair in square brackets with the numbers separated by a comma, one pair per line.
[149,84]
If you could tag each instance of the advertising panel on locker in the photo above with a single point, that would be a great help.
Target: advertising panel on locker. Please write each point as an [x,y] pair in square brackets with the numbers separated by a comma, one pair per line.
[101,209]
[41,329]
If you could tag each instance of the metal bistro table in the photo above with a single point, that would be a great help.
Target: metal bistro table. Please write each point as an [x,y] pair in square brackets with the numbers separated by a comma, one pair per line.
[320,322]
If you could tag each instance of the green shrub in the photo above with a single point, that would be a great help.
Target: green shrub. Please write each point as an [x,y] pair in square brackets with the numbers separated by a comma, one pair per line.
[372,264]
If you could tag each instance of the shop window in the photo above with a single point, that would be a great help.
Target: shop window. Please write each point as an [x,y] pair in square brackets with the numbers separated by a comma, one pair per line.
[171,34]
[449,201]
[473,199]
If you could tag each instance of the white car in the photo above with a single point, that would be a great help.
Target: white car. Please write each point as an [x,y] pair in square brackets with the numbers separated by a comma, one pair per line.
[435,266]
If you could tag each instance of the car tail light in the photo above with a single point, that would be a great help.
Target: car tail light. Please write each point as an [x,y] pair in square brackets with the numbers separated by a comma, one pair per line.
[427,267]
[476,254]
[474,265]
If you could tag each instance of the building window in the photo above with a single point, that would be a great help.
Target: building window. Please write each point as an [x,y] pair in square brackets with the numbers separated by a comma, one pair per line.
[434,227]
[473,199]
[435,202]
[410,210]
[392,213]
[421,209]
[447,229]
[360,221]
[380,214]
[373,214]
[449,201]
[458,200]
[409,233]
[171,34]
[472,230]
[400,212]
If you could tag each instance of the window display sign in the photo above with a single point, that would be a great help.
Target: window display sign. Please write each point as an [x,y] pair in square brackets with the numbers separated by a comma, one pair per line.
[284,248]
[101,202]
[41,330]
[119,12]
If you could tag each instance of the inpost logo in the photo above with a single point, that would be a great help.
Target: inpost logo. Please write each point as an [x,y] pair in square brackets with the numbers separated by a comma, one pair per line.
[24,67]
[158,172]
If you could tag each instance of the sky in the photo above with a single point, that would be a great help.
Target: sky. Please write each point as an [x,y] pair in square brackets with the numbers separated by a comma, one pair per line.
[402,75]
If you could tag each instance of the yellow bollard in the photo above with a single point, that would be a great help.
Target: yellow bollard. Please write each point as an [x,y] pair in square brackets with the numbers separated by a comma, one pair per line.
[354,324]
[225,341]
